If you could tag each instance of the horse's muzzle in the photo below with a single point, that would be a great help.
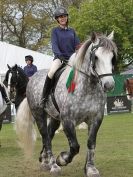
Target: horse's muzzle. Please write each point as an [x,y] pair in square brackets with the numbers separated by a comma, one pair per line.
[108,86]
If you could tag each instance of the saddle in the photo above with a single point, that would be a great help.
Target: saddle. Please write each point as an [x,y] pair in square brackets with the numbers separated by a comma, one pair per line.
[54,83]
[129,86]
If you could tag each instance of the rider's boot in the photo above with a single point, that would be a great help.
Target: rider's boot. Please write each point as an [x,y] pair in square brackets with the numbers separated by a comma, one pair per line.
[46,90]
[5,96]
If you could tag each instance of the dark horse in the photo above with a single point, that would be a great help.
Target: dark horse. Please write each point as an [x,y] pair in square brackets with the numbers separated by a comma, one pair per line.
[92,66]
[17,81]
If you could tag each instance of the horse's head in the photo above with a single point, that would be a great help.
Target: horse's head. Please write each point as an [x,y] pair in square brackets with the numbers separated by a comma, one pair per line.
[16,77]
[12,75]
[103,52]
[98,55]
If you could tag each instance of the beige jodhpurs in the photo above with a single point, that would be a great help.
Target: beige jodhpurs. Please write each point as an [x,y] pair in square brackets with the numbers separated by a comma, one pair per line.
[55,66]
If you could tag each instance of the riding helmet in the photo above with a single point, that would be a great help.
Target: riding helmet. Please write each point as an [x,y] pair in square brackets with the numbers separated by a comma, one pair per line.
[60,11]
[29,57]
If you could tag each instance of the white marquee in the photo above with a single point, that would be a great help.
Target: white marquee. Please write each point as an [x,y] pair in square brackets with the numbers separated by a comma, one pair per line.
[11,54]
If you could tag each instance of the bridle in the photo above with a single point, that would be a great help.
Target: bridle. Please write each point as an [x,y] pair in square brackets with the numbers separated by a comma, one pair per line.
[16,75]
[93,58]
[92,65]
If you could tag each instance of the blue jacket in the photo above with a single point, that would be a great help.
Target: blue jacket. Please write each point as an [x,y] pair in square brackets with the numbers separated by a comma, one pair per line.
[64,42]
[30,70]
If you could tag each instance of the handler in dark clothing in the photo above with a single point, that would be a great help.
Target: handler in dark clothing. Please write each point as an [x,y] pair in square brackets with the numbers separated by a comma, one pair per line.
[29,69]
[64,43]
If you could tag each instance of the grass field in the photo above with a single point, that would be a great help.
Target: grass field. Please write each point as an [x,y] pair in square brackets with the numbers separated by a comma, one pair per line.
[114,151]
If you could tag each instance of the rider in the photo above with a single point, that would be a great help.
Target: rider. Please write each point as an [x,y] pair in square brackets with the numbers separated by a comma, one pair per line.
[64,43]
[4,94]
[29,69]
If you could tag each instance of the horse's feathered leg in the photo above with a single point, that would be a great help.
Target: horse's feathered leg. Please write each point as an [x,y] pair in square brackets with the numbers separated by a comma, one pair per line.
[66,157]
[90,169]
[47,159]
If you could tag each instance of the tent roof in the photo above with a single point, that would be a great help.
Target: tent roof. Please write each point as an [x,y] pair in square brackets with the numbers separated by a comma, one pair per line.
[11,54]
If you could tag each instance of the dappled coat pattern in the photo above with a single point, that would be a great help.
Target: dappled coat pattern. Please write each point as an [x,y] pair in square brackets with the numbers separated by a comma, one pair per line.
[94,63]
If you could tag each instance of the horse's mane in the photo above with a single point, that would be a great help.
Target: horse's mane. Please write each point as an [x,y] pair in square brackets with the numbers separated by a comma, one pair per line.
[81,53]
[108,44]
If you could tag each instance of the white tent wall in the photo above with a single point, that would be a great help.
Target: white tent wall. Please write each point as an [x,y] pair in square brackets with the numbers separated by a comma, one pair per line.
[11,54]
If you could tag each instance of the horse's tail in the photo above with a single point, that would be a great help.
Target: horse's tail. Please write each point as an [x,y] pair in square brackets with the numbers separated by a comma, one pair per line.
[25,129]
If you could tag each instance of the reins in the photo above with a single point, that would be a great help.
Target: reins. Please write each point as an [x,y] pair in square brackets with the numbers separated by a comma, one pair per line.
[92,59]
[82,72]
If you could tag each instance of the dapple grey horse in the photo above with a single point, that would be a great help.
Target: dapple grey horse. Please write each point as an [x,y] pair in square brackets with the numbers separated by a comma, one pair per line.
[93,65]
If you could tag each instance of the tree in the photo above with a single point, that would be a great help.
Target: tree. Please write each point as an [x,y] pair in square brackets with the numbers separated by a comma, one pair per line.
[105,16]
[24,27]
[28,23]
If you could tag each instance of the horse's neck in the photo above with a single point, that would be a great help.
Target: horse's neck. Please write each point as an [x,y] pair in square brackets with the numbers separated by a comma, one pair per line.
[22,83]
[84,72]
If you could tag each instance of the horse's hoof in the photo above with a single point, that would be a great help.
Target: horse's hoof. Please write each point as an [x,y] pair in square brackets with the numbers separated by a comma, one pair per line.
[45,167]
[92,172]
[55,170]
[62,159]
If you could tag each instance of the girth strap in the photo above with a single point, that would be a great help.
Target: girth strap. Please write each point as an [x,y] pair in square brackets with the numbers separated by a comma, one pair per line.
[54,83]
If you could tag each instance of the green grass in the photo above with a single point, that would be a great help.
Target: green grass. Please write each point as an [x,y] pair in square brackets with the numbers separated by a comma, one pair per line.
[113,158]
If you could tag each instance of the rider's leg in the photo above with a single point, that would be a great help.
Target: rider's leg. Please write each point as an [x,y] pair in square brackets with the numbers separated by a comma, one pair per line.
[4,95]
[47,86]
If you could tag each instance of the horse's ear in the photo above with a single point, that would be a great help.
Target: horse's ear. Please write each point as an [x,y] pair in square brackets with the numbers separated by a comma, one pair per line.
[111,35]
[8,66]
[93,37]
[16,66]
